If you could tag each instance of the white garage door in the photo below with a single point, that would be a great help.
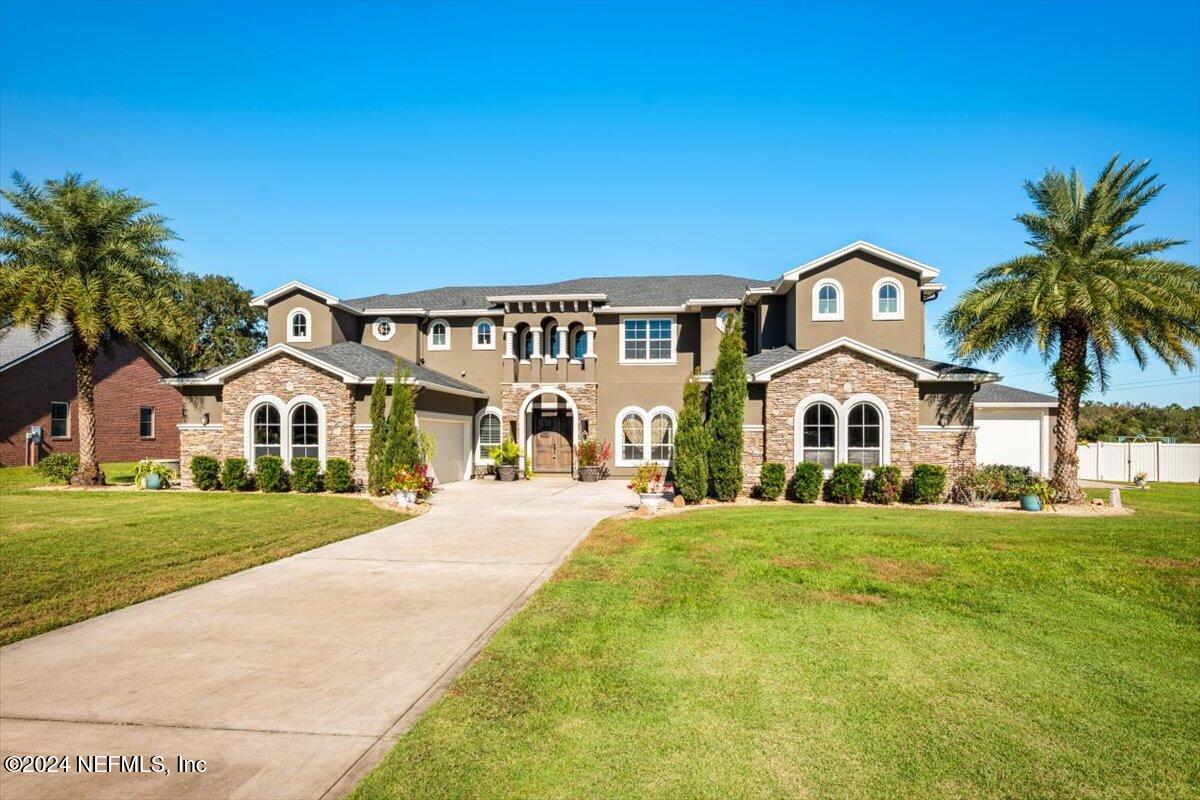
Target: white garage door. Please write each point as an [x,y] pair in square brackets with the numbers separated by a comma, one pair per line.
[450,461]
[1009,437]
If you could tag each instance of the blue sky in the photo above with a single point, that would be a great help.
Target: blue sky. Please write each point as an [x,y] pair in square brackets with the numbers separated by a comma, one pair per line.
[368,148]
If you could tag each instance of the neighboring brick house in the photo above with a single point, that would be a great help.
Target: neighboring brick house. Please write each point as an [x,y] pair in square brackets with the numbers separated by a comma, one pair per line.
[835,369]
[137,416]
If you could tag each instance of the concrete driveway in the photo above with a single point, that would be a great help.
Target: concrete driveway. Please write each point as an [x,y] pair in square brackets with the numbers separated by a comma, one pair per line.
[292,679]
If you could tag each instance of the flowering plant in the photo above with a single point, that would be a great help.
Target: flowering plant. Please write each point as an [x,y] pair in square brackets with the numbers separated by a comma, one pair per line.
[593,452]
[647,479]
[413,479]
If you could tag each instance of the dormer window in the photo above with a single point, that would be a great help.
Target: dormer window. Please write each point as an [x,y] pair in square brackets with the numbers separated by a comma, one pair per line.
[439,335]
[384,328]
[827,301]
[299,326]
[484,335]
[887,299]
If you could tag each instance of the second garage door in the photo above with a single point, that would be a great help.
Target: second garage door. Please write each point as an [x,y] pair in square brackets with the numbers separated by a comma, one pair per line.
[450,461]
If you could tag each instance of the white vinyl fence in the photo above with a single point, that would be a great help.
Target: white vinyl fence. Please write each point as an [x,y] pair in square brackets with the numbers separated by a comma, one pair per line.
[1113,461]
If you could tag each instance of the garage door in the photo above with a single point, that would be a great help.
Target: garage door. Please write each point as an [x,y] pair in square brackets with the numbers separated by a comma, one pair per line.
[450,461]
[1009,437]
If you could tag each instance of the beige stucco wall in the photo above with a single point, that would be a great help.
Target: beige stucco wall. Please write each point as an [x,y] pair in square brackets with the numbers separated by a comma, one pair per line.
[201,400]
[955,399]
[480,368]
[328,325]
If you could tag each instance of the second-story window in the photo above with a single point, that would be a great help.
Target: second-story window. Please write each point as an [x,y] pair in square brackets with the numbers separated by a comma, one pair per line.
[439,335]
[299,328]
[647,340]
[579,345]
[888,300]
[827,301]
[485,335]
[385,329]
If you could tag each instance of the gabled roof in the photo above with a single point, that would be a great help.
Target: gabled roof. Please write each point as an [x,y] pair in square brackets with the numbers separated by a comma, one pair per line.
[761,367]
[21,343]
[926,272]
[997,394]
[292,286]
[350,361]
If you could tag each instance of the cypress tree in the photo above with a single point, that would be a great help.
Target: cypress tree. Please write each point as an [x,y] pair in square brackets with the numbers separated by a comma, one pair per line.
[726,412]
[690,467]
[403,441]
[377,476]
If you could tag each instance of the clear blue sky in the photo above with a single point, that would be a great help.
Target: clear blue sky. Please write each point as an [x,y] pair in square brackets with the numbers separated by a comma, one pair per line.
[369,148]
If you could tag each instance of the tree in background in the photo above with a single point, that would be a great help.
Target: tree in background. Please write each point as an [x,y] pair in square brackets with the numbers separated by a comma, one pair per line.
[219,326]
[97,259]
[1107,421]
[689,468]
[1083,292]
[726,411]
[403,440]
[377,475]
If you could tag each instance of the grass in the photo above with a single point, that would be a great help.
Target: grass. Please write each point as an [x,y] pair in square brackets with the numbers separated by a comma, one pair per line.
[69,555]
[115,472]
[838,653]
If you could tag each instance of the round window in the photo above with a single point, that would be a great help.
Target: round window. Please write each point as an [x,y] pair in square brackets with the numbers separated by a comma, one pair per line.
[384,329]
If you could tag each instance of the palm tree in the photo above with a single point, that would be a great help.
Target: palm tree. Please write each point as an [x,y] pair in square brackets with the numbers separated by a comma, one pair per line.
[1085,290]
[94,258]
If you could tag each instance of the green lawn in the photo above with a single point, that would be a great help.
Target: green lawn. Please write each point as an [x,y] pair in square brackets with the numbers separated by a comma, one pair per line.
[70,555]
[838,653]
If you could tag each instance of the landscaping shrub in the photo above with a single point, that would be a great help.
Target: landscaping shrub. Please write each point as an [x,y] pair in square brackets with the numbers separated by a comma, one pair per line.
[234,475]
[970,487]
[690,467]
[338,477]
[927,484]
[306,474]
[1004,481]
[59,467]
[726,412]
[846,484]
[206,472]
[772,480]
[805,485]
[885,486]
[377,472]
[269,474]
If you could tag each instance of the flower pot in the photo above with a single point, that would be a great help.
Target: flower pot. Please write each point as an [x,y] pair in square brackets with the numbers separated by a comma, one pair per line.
[651,500]
[153,481]
[506,472]
[590,474]
[1030,502]
[405,499]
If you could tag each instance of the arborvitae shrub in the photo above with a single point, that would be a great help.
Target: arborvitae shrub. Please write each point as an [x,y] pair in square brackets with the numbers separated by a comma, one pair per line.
[338,477]
[689,469]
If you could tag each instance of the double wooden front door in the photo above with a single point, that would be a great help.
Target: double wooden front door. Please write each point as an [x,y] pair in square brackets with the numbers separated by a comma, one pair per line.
[551,441]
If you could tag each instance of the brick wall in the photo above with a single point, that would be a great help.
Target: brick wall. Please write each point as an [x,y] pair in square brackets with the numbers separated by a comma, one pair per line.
[126,379]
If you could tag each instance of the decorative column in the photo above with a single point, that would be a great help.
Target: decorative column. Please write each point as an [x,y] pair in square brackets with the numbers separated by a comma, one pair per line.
[536,333]
[591,341]
[509,334]
[562,342]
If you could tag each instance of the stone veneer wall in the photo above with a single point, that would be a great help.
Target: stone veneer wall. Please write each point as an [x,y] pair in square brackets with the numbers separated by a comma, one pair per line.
[753,457]
[584,395]
[197,440]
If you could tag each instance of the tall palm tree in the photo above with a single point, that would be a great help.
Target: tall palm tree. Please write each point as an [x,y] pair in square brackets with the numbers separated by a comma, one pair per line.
[1084,291]
[93,257]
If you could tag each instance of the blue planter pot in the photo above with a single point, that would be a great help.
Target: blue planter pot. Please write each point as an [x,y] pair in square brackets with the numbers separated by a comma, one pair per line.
[154,481]
[1030,502]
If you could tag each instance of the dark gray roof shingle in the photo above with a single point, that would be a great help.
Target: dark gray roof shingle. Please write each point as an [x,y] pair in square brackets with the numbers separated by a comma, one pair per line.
[642,290]
[945,369]
[769,358]
[999,393]
[366,362]
[19,341]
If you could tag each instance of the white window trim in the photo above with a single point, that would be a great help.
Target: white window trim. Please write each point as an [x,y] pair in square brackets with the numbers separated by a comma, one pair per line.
[153,422]
[479,457]
[875,312]
[308,325]
[722,317]
[50,418]
[375,329]
[671,318]
[842,414]
[646,417]
[836,316]
[429,345]
[285,426]
[475,345]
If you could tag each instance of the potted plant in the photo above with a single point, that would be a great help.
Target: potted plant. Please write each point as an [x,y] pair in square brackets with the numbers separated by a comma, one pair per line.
[592,457]
[1035,495]
[411,484]
[149,474]
[647,481]
[507,456]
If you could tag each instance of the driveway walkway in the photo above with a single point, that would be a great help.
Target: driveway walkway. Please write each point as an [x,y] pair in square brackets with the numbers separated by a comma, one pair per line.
[292,679]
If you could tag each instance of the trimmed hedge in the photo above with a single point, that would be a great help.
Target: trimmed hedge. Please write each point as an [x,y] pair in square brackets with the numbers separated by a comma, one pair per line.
[845,485]
[269,474]
[306,474]
[805,485]
[59,467]
[206,472]
[772,480]
[338,477]
[927,484]
[885,486]
[234,475]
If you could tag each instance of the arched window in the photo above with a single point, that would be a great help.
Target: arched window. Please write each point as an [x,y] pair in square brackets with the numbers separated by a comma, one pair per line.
[527,345]
[488,435]
[299,328]
[827,300]
[633,438]
[485,335]
[820,435]
[439,335]
[579,345]
[305,437]
[888,299]
[662,437]
[864,436]
[265,432]
[384,329]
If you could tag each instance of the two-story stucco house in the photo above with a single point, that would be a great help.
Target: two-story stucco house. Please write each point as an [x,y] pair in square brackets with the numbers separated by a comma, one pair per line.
[835,369]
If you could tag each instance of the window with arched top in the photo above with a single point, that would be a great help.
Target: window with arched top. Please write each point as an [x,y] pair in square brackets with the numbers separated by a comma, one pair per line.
[579,344]
[888,299]
[662,437]
[864,435]
[265,431]
[484,335]
[819,437]
[305,437]
[488,435]
[299,326]
[633,437]
[828,300]
[644,436]
[439,335]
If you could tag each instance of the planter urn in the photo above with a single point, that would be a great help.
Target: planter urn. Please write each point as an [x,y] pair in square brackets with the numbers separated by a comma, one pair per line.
[651,500]
[405,499]
[590,474]
[153,481]
[506,472]
[1030,502]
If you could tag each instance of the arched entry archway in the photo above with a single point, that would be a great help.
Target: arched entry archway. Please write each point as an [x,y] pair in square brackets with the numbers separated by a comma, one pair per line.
[548,429]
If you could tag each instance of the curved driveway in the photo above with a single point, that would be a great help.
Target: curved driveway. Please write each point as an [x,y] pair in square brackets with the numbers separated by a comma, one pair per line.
[289,680]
